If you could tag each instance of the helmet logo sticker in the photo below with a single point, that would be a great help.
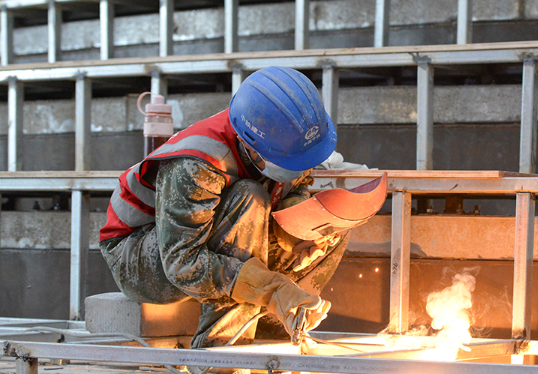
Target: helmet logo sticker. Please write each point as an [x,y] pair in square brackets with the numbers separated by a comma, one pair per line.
[311,133]
[254,129]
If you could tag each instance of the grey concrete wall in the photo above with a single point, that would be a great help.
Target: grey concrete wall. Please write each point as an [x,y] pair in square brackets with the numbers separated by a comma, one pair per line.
[269,19]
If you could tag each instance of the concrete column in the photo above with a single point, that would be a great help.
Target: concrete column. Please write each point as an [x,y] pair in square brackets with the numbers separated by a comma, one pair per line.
[80,244]
[106,16]
[465,22]
[6,35]
[400,261]
[15,99]
[302,20]
[382,17]
[527,149]
[166,12]
[55,31]
[83,104]
[231,20]
[425,116]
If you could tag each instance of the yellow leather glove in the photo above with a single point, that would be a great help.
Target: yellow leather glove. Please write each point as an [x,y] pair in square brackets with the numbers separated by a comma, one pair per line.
[310,250]
[258,285]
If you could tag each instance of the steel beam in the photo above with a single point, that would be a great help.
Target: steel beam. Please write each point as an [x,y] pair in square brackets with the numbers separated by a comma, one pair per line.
[106,17]
[382,17]
[425,116]
[166,13]
[159,84]
[238,76]
[80,244]
[329,91]
[83,103]
[55,31]
[400,260]
[15,99]
[527,149]
[523,257]
[231,21]
[6,35]
[465,22]
[302,21]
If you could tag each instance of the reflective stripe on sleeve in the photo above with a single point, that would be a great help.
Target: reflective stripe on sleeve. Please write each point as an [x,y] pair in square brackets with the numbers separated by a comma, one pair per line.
[128,213]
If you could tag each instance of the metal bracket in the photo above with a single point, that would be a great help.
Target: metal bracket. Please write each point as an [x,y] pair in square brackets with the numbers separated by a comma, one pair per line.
[418,59]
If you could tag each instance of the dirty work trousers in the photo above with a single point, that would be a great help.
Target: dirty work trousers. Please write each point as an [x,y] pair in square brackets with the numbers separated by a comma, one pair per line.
[136,265]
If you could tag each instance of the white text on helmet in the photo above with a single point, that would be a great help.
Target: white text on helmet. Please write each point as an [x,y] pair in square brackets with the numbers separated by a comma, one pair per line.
[254,129]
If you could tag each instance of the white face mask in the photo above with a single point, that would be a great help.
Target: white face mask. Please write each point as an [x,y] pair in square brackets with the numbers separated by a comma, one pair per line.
[273,171]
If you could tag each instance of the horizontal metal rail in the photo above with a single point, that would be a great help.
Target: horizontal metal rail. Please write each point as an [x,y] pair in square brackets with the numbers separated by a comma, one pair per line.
[259,361]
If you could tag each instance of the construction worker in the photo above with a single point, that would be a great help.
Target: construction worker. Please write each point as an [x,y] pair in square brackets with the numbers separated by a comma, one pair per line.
[193,218]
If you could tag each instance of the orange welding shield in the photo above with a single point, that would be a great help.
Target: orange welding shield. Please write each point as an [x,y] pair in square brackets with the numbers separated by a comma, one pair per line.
[333,210]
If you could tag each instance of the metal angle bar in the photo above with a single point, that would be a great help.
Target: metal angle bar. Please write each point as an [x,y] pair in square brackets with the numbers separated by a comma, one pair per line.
[6,35]
[424,116]
[465,22]
[302,21]
[80,244]
[231,22]
[527,152]
[212,65]
[400,260]
[438,185]
[523,258]
[382,17]
[58,184]
[15,100]
[329,91]
[260,361]
[106,21]
[83,103]
[166,13]
[55,31]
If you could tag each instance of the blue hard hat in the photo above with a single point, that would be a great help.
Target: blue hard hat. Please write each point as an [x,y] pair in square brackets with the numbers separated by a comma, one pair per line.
[279,113]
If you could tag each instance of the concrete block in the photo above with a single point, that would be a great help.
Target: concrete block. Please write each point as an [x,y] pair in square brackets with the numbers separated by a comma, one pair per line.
[114,312]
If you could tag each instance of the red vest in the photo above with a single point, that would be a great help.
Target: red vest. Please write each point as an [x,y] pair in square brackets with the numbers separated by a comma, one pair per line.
[133,201]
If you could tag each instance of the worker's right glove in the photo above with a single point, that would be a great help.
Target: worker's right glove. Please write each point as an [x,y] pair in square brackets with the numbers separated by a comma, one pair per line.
[258,285]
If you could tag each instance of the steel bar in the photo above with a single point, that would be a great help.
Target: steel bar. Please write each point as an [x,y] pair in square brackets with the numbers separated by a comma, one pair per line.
[400,259]
[523,257]
[83,102]
[238,76]
[159,84]
[329,91]
[106,21]
[382,17]
[260,361]
[527,149]
[6,35]
[55,31]
[465,22]
[0,219]
[80,244]
[345,58]
[166,26]
[231,21]
[302,20]
[15,98]
[424,116]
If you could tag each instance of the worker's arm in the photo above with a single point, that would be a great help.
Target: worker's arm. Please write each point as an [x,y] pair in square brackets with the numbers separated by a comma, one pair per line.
[187,192]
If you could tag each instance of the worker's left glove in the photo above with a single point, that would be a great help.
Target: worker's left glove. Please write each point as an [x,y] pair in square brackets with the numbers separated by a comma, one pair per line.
[308,251]
[258,285]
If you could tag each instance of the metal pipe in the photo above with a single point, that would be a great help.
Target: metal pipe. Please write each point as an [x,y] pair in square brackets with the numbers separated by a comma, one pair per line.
[238,76]
[382,17]
[106,17]
[15,98]
[83,103]
[465,22]
[425,116]
[159,83]
[329,91]
[55,31]
[231,21]
[302,21]
[527,149]
[166,13]
[6,35]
